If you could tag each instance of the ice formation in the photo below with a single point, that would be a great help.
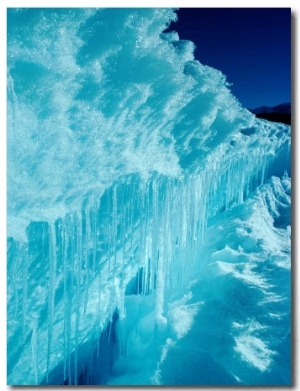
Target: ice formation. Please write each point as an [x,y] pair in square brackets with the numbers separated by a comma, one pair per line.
[148,212]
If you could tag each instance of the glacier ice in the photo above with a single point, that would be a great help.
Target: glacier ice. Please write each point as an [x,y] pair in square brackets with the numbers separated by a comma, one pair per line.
[148,212]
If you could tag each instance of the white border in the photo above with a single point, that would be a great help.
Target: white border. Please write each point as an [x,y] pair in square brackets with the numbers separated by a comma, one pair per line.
[119,3]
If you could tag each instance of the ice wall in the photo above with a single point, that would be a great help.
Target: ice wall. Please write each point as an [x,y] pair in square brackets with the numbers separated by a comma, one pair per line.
[121,146]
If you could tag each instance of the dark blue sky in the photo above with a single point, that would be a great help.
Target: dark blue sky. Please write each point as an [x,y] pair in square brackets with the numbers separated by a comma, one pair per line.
[251,46]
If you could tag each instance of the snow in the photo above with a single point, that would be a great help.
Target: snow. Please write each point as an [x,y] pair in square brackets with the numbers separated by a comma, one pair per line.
[148,212]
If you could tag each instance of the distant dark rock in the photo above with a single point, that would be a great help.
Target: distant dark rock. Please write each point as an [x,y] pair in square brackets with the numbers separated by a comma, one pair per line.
[280,113]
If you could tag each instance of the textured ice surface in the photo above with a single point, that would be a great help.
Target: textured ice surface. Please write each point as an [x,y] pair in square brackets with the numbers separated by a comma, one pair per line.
[148,212]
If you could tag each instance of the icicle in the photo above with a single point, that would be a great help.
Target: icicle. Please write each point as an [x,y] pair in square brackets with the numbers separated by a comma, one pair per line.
[24,293]
[168,241]
[93,221]
[99,301]
[131,213]
[264,167]
[51,297]
[154,234]
[86,259]
[160,286]
[241,189]
[114,227]
[122,235]
[34,352]
[159,253]
[16,296]
[13,274]
[66,301]
[71,276]
[142,232]
[77,271]
[145,275]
